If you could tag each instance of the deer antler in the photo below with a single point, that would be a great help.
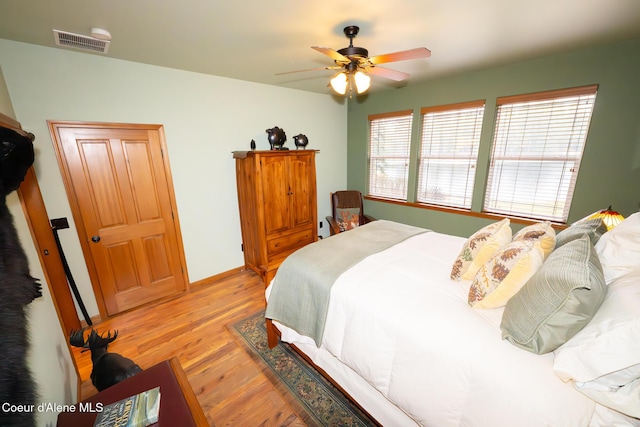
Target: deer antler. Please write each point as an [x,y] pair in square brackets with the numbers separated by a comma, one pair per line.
[96,340]
[76,338]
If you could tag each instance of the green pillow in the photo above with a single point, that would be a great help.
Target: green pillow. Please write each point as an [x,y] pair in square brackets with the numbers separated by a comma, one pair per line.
[558,301]
[594,228]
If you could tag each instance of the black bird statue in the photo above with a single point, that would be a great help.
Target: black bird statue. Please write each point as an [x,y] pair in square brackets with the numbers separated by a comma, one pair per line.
[108,368]
[253,145]
[300,141]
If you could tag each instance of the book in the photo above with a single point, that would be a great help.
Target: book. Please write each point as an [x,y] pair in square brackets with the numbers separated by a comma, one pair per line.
[139,410]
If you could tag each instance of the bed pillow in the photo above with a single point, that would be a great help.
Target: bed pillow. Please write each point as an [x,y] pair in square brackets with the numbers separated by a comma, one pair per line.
[607,351]
[619,248]
[348,218]
[503,275]
[594,228]
[541,233]
[558,301]
[625,399]
[479,248]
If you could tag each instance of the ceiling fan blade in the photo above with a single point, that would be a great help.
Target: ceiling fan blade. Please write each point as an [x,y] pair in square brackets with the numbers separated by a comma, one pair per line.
[335,67]
[388,74]
[331,54]
[420,52]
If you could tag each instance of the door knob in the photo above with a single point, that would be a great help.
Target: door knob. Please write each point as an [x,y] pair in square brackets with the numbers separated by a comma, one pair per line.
[95,239]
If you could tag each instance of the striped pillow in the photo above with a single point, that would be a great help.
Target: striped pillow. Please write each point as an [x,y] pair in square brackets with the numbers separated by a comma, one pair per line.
[558,301]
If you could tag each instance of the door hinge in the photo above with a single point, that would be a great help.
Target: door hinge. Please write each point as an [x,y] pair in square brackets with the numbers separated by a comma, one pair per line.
[242,247]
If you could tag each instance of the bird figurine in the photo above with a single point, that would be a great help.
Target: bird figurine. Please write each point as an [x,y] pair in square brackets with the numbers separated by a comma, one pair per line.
[253,145]
[276,137]
[108,368]
[300,141]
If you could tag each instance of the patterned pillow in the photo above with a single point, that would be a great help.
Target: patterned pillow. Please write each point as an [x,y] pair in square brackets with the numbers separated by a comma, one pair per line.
[479,248]
[348,218]
[541,234]
[504,274]
[558,301]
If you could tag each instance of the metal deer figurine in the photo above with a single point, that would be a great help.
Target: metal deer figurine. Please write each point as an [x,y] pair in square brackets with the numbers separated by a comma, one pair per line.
[108,368]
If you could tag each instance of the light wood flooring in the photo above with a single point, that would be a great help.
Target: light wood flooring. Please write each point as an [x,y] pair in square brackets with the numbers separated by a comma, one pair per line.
[229,386]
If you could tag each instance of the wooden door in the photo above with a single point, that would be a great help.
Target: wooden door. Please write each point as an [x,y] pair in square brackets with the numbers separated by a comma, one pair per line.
[122,200]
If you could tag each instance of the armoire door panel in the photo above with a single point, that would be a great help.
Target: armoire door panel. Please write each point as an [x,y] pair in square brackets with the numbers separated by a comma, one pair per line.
[301,192]
[275,193]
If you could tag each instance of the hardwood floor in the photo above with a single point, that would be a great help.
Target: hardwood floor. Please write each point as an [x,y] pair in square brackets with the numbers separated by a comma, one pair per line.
[229,386]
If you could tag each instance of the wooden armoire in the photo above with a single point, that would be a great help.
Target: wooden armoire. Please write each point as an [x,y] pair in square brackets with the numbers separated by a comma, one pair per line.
[278,205]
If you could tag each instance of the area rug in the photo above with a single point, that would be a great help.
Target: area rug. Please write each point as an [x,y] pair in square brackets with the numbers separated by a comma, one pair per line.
[303,387]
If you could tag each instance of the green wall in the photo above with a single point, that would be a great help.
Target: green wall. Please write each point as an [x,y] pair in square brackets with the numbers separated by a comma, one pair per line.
[610,168]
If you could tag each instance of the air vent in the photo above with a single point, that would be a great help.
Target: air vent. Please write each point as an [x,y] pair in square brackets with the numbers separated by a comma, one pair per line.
[78,41]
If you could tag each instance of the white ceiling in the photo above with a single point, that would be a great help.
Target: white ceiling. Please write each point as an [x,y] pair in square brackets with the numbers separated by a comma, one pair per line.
[255,40]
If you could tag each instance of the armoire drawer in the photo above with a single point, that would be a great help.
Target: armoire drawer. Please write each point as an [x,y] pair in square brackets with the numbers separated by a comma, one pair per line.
[289,243]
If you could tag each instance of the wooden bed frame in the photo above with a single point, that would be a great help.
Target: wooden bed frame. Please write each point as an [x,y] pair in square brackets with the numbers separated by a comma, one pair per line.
[273,337]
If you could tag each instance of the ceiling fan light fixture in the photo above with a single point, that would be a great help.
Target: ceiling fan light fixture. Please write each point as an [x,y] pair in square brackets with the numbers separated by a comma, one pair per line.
[362,81]
[339,83]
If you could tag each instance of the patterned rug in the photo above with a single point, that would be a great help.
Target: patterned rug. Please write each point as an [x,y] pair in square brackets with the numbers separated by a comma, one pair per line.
[305,389]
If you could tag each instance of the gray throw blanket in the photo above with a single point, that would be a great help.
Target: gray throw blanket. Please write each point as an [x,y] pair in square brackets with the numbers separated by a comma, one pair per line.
[300,292]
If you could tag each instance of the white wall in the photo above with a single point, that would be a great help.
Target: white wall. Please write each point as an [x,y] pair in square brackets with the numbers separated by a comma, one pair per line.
[205,118]
[49,358]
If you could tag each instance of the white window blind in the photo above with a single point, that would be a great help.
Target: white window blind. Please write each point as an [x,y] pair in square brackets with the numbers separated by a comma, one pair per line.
[389,144]
[537,148]
[449,153]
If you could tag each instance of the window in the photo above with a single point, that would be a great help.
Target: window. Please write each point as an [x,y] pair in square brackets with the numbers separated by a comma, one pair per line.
[537,147]
[389,143]
[448,153]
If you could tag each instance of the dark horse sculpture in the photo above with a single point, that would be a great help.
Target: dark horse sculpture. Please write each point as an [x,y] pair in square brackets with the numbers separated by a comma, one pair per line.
[17,287]
[108,368]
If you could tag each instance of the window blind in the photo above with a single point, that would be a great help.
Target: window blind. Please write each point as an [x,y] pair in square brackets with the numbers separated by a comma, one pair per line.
[389,150]
[448,153]
[537,147]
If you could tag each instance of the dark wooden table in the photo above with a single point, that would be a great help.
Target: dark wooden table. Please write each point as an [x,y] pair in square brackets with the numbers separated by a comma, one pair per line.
[178,403]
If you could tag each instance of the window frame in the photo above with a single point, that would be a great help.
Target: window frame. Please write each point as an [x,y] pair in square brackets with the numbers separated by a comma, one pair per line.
[470,116]
[558,209]
[373,189]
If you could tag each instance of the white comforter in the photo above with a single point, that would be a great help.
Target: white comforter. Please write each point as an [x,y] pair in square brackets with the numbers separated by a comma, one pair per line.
[399,322]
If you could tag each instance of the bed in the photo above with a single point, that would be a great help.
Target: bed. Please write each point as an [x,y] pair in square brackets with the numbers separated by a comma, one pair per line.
[401,336]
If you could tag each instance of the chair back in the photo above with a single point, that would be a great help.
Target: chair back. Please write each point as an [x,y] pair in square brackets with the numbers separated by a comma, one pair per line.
[347,199]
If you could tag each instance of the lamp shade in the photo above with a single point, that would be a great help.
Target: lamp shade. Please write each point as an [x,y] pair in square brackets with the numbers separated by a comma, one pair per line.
[362,81]
[349,80]
[610,217]
[339,83]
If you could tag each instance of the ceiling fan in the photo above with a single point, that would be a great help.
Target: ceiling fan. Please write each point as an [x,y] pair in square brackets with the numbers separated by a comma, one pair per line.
[356,65]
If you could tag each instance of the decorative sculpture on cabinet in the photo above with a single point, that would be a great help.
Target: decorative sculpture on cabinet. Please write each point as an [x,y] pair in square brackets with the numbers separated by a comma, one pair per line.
[300,141]
[277,138]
